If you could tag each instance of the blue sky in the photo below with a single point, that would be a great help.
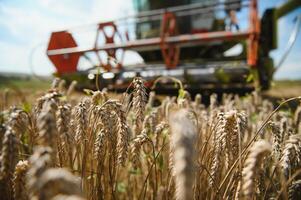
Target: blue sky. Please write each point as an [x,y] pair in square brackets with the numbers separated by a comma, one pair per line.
[27,24]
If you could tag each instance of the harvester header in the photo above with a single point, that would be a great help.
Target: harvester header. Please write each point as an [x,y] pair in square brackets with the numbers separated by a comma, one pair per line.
[169,38]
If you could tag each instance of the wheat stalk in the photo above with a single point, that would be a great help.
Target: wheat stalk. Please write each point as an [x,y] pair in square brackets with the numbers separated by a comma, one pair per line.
[39,162]
[139,101]
[9,159]
[180,149]
[277,140]
[183,137]
[19,181]
[57,181]
[219,142]
[291,158]
[251,165]
[135,148]
[295,190]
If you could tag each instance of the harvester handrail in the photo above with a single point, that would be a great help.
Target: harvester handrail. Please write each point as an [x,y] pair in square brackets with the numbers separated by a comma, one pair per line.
[176,9]
[291,42]
[183,10]
[179,39]
[183,13]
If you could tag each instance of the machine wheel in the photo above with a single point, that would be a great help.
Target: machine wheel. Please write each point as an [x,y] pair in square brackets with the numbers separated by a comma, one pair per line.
[265,73]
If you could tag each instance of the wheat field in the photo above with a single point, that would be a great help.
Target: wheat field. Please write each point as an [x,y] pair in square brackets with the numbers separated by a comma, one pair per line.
[94,146]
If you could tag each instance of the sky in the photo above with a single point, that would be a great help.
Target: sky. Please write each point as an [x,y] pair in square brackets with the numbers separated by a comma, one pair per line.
[26,25]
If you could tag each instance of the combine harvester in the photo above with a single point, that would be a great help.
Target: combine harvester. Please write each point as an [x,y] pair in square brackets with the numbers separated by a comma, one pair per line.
[185,39]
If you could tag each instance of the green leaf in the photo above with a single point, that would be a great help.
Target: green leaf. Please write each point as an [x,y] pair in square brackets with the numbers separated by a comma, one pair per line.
[250,78]
[161,162]
[135,171]
[165,133]
[26,107]
[121,187]
[253,117]
[181,94]
[63,98]
[88,92]
[222,76]
[93,176]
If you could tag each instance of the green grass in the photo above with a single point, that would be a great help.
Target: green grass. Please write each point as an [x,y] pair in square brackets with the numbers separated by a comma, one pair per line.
[26,83]
[287,83]
[33,84]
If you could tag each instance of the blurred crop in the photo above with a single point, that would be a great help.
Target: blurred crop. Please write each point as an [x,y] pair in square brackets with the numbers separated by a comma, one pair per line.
[103,146]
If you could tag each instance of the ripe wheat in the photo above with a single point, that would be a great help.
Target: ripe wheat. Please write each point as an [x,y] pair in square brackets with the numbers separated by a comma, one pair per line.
[105,146]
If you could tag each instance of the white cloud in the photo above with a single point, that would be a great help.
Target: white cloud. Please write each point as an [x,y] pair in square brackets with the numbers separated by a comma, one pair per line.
[289,70]
[33,26]
[67,8]
[291,67]
[12,55]
[16,58]
[28,24]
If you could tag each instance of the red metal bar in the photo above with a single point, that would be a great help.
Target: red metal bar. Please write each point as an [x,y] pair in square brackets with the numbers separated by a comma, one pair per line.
[169,42]
[254,36]
[170,52]
[109,39]
[155,42]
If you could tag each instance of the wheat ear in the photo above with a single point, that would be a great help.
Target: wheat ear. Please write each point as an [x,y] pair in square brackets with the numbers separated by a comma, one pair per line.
[57,181]
[19,181]
[251,165]
[291,157]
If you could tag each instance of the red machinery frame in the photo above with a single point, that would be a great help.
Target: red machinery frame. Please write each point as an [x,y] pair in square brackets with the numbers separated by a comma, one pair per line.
[64,52]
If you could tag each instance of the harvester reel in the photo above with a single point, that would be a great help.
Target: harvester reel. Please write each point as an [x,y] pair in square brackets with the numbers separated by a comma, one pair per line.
[109,39]
[170,52]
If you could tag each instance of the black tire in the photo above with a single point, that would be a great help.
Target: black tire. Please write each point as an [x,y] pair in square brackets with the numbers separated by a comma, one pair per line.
[265,73]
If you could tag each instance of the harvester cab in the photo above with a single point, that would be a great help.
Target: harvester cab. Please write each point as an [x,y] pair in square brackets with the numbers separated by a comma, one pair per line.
[200,42]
